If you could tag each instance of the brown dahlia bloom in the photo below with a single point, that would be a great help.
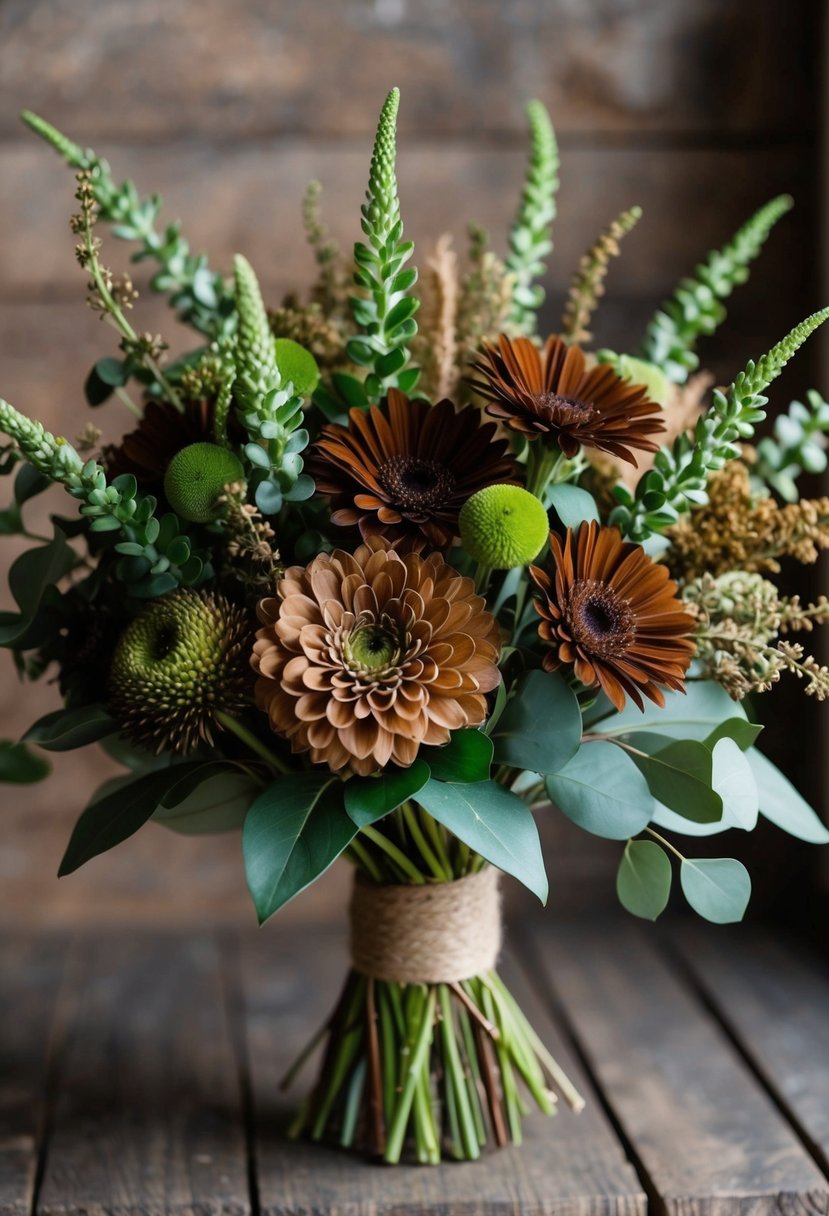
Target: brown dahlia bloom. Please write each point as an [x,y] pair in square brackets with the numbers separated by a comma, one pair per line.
[405,469]
[614,614]
[553,392]
[363,658]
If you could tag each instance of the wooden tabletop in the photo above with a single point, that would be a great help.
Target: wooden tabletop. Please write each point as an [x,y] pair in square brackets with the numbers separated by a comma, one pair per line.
[139,1073]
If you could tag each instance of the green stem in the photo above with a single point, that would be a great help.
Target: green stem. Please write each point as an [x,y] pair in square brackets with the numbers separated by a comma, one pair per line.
[542,463]
[362,857]
[410,817]
[418,1054]
[665,843]
[482,576]
[396,855]
[455,1080]
[255,744]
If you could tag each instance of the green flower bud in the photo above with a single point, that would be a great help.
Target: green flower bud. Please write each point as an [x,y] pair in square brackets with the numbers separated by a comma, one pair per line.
[503,526]
[195,478]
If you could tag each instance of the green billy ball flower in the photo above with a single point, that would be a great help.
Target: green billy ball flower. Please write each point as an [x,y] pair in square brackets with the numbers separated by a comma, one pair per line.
[503,526]
[181,661]
[297,365]
[196,477]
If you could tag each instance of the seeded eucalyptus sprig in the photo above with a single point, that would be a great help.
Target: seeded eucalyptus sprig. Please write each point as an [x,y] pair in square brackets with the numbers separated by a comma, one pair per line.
[267,407]
[157,557]
[680,473]
[200,296]
[798,446]
[695,308]
[385,315]
[530,236]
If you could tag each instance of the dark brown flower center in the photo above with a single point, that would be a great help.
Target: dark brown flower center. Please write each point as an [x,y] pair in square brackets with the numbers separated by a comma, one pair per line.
[564,411]
[600,620]
[415,484]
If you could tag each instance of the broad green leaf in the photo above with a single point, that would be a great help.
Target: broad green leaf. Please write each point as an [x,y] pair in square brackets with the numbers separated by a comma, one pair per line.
[734,781]
[28,483]
[495,823]
[571,504]
[742,732]
[120,813]
[643,881]
[293,832]
[679,774]
[782,804]
[217,805]
[368,799]
[540,729]
[690,715]
[66,729]
[466,757]
[29,577]
[718,888]
[18,766]
[602,791]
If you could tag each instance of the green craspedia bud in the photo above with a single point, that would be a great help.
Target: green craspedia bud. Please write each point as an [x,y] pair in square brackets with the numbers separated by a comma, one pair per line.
[185,658]
[195,478]
[297,366]
[639,371]
[503,526]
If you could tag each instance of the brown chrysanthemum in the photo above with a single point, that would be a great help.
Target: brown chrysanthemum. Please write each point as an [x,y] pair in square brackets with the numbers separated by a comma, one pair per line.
[363,658]
[553,392]
[614,614]
[405,469]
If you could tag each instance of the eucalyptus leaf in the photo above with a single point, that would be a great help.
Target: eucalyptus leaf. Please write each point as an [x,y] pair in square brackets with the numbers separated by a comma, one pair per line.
[602,791]
[734,781]
[782,804]
[495,823]
[572,504]
[65,729]
[643,881]
[718,888]
[19,766]
[466,757]
[293,832]
[679,773]
[540,728]
[368,799]
[690,715]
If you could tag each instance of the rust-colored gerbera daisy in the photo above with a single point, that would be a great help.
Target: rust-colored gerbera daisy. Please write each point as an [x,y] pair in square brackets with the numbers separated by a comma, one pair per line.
[614,614]
[404,470]
[363,658]
[553,392]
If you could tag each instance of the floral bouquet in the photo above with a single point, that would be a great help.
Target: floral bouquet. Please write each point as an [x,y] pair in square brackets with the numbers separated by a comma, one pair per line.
[377,576]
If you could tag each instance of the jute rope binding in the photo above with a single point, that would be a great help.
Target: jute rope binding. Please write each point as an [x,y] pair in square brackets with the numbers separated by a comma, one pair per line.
[431,934]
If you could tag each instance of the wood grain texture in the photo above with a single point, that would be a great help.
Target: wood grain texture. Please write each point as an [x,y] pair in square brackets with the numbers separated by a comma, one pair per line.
[568,1166]
[145,68]
[147,1117]
[31,969]
[709,1140]
[774,999]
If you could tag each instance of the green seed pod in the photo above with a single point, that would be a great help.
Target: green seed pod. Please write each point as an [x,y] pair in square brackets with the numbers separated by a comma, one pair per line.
[195,478]
[184,658]
[503,526]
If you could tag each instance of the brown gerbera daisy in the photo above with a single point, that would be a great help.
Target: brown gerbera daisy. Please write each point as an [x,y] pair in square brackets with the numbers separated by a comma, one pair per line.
[404,470]
[553,392]
[614,614]
[363,658]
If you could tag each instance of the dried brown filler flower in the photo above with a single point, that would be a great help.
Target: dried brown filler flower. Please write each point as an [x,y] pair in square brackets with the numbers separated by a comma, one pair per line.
[404,470]
[614,614]
[363,658]
[553,392]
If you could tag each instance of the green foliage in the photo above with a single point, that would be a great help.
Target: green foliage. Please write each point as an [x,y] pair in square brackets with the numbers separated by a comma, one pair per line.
[679,773]
[385,313]
[529,239]
[695,308]
[368,799]
[65,729]
[732,779]
[268,408]
[680,473]
[32,580]
[694,714]
[602,791]
[466,757]
[19,766]
[643,881]
[782,804]
[572,504]
[798,446]
[540,729]
[495,823]
[718,888]
[217,805]
[293,832]
[201,297]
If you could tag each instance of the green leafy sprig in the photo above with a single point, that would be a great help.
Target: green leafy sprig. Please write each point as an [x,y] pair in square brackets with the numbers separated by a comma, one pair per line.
[385,314]
[530,239]
[798,446]
[680,473]
[269,410]
[201,297]
[157,557]
[696,308]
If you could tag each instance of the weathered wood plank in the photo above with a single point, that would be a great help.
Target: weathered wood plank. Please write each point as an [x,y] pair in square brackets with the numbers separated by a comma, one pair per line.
[146,69]
[774,997]
[708,1137]
[567,1165]
[247,199]
[31,969]
[147,1117]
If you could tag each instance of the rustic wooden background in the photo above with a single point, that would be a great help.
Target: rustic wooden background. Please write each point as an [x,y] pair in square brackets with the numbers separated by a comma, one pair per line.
[696,110]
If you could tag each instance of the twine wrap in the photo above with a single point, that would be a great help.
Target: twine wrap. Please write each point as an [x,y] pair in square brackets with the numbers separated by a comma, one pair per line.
[431,934]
